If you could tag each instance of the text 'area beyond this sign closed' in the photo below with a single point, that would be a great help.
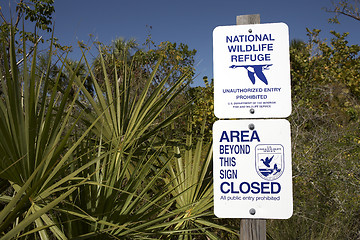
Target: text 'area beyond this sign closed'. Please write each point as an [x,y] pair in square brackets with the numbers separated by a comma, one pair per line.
[252,169]
[252,71]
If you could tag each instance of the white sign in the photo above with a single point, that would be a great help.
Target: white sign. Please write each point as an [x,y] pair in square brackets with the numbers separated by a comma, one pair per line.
[252,169]
[252,71]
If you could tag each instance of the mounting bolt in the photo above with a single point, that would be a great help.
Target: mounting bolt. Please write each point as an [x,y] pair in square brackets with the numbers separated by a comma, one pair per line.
[252,211]
[250,30]
[252,111]
[251,126]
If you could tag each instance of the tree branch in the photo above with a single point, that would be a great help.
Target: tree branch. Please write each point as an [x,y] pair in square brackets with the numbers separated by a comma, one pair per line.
[2,16]
[19,13]
[347,9]
[31,50]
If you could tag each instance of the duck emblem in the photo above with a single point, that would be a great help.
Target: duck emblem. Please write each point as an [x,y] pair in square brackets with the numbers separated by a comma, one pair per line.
[269,161]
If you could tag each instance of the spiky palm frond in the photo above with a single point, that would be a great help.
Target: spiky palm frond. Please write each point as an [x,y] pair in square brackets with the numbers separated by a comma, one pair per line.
[34,148]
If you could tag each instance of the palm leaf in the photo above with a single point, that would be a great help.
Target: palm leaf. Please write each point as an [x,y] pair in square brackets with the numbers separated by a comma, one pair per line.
[36,124]
[191,181]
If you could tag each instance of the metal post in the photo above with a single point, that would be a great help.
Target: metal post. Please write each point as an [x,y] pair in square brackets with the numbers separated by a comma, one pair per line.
[251,229]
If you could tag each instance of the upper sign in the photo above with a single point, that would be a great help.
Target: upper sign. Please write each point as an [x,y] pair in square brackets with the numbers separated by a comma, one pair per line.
[252,169]
[252,71]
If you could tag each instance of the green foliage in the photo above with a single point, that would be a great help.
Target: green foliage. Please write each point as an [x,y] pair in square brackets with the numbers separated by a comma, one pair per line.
[203,108]
[38,17]
[116,149]
[327,75]
[325,129]
[89,164]
[346,8]
[178,60]
[190,183]
[37,11]
[35,149]
[175,61]
[325,139]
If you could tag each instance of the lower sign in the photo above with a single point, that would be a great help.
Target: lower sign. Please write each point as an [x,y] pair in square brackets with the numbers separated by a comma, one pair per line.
[252,169]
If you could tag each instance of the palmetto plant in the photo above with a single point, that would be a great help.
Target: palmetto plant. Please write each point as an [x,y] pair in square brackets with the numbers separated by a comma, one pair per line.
[34,149]
[122,197]
[93,167]
[190,183]
[135,191]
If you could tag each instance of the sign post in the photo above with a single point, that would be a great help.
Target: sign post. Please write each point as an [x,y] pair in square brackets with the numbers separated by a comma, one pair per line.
[252,158]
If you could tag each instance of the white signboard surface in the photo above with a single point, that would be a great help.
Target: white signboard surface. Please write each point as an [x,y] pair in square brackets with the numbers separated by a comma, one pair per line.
[252,169]
[252,71]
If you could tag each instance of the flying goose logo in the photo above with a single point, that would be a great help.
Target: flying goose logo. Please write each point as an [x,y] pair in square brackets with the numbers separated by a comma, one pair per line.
[255,70]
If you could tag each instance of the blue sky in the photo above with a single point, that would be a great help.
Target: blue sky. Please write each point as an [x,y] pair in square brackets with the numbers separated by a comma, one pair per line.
[187,21]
